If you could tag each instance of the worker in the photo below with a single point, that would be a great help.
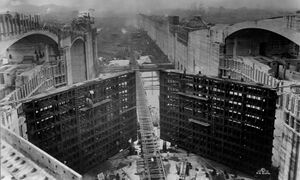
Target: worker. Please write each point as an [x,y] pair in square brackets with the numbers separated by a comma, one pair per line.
[117,176]
[89,102]
[101,176]
[88,99]
[92,93]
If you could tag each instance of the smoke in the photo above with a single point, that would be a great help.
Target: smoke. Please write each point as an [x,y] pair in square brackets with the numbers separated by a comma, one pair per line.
[153,5]
[123,30]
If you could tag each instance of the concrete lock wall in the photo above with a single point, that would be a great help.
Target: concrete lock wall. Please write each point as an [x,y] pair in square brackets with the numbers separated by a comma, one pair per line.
[204,44]
[78,61]
[206,51]
[203,53]
[50,164]
[90,49]
[11,35]
[200,53]
[290,139]
[171,48]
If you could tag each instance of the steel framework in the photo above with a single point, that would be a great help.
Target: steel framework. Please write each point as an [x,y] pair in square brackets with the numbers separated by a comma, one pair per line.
[227,121]
[85,124]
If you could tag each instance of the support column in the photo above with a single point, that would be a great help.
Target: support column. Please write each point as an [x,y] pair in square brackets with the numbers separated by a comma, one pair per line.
[9,25]
[15,25]
[175,49]
[234,47]
[12,22]
[67,53]
[89,56]
[95,58]
[29,22]
[47,53]
[18,24]
[26,24]
[5,29]
[2,32]
[21,23]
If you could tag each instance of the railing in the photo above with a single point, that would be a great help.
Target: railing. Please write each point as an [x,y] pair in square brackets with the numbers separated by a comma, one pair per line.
[48,76]
[15,23]
[293,22]
[248,72]
[48,28]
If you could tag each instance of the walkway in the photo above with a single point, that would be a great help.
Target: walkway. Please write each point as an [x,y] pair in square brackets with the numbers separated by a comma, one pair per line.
[151,166]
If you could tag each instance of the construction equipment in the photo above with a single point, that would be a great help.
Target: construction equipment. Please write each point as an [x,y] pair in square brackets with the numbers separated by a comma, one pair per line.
[182,171]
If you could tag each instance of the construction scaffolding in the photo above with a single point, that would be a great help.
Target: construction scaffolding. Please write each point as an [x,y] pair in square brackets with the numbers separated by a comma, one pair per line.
[85,124]
[228,121]
[150,166]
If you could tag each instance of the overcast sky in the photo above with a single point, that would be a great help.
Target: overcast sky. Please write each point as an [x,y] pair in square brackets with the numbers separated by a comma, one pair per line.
[130,5]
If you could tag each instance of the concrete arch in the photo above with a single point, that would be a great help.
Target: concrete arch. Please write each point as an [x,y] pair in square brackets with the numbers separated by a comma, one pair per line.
[7,43]
[78,61]
[277,26]
[77,38]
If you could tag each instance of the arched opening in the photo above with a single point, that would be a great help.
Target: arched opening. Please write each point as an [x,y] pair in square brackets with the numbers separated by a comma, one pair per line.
[35,48]
[256,42]
[78,61]
[271,54]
